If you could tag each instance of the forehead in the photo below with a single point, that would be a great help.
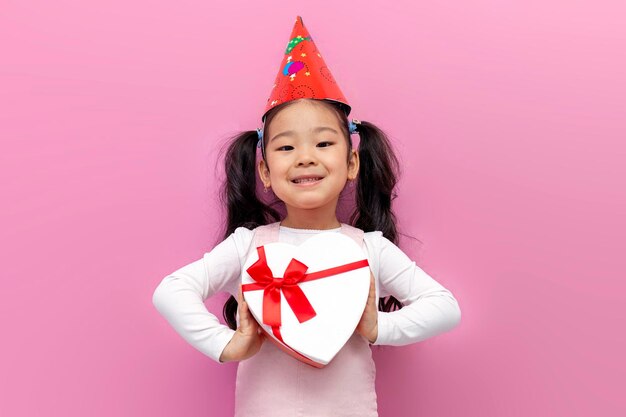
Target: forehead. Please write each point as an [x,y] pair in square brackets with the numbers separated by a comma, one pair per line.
[303,115]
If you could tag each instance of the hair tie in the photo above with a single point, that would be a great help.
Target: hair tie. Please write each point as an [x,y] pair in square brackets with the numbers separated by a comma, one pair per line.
[259,133]
[353,126]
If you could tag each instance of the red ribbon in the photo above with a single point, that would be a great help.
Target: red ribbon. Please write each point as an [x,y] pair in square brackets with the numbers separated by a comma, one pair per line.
[294,274]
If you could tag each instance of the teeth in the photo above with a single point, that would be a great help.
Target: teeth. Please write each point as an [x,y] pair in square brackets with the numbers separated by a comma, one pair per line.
[301,180]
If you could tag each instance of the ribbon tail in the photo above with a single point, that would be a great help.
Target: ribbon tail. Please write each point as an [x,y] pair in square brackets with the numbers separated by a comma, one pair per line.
[271,306]
[298,302]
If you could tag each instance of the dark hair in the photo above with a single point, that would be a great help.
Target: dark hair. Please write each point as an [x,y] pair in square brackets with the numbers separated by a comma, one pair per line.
[373,197]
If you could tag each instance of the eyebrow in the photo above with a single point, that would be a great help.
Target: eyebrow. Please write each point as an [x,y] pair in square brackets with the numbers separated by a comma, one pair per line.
[316,130]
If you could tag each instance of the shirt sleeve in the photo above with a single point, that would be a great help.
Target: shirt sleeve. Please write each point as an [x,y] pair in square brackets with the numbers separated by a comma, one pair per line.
[429,308]
[180,296]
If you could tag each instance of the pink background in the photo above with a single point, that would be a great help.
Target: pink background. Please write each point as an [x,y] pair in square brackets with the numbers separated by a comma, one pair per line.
[510,118]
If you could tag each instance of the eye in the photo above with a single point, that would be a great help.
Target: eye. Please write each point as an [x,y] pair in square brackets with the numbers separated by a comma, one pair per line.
[285,148]
[324,144]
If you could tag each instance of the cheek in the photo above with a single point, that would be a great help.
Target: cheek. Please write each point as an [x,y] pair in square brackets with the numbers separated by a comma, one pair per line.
[341,163]
[277,169]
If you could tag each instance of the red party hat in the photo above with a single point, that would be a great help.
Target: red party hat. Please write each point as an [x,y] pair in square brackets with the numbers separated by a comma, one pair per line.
[303,73]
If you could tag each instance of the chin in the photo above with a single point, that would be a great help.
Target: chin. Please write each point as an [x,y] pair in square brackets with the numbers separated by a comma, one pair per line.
[310,204]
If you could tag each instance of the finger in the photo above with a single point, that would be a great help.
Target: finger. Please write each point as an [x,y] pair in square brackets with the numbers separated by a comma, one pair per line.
[246,320]
[244,315]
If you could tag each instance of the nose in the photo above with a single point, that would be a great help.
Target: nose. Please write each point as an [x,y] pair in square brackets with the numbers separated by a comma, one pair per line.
[306,157]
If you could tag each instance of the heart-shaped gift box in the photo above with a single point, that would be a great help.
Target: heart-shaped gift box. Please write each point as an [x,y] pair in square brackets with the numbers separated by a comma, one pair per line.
[308,299]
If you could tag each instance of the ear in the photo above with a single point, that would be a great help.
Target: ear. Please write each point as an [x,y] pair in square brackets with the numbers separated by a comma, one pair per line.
[264,173]
[353,165]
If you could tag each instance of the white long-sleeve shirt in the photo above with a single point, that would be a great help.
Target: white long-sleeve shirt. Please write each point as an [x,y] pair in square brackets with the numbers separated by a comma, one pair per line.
[429,308]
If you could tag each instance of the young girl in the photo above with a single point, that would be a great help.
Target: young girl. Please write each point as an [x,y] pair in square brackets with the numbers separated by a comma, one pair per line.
[306,158]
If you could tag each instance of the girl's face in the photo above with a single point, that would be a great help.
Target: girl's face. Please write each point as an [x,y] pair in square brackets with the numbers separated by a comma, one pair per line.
[307,158]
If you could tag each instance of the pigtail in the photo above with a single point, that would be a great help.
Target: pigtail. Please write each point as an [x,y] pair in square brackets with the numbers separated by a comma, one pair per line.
[379,168]
[244,208]
[375,190]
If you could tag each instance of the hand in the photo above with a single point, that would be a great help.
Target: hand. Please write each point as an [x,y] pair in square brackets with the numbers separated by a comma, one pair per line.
[368,326]
[248,338]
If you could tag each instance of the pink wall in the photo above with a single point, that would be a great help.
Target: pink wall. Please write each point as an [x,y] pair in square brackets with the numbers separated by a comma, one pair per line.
[510,117]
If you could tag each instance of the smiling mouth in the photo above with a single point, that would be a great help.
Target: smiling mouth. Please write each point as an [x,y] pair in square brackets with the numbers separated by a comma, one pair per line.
[306,180]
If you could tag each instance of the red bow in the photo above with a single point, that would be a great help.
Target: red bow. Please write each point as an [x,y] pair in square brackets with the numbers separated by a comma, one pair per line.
[294,274]
[272,287]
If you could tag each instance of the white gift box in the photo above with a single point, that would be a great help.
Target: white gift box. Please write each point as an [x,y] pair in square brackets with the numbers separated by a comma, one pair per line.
[313,295]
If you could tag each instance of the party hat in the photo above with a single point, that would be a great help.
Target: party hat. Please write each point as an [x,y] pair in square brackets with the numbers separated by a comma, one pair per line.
[303,73]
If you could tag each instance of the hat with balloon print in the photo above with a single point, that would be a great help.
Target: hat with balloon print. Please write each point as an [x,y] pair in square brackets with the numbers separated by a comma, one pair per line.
[304,74]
